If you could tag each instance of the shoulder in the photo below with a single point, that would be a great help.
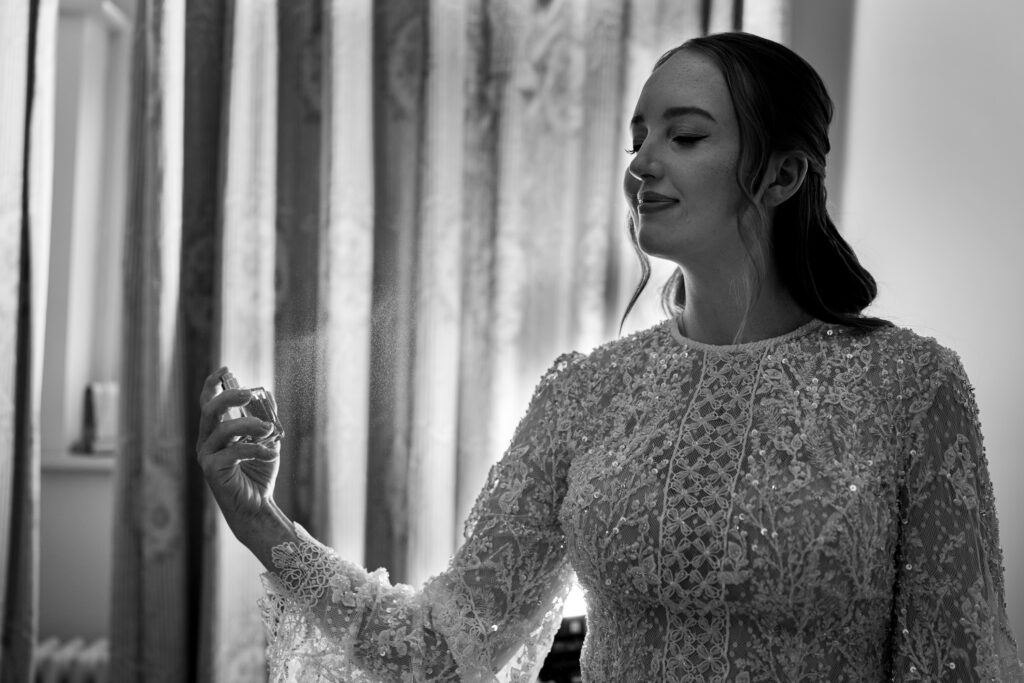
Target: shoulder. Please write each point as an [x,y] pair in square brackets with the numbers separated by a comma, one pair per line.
[907,352]
[921,366]
[636,346]
[580,374]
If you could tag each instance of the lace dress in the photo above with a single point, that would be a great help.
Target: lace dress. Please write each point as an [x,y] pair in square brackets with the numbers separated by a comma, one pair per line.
[813,507]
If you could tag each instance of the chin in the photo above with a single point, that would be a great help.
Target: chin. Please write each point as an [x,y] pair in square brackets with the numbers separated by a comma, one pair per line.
[653,242]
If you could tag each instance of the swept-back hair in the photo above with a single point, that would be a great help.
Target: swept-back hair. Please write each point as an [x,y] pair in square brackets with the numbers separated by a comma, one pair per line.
[781,105]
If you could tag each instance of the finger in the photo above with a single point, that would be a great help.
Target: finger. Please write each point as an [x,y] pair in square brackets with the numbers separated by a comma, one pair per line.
[254,451]
[273,444]
[237,455]
[227,431]
[213,410]
[212,386]
[242,452]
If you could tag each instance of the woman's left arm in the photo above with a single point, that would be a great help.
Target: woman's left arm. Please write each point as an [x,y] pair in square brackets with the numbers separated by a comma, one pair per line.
[950,619]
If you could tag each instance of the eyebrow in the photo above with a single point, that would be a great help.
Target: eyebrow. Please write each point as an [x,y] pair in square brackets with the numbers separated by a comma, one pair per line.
[675,112]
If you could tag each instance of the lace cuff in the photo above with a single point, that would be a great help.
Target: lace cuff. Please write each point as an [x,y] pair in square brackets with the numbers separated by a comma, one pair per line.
[331,620]
[312,611]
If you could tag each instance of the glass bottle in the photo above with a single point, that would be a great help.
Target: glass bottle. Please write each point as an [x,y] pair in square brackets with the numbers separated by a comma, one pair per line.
[260,406]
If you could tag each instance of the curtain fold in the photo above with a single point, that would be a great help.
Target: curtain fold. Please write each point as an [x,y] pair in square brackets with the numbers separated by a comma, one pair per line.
[492,224]
[488,59]
[244,314]
[345,271]
[437,297]
[300,122]
[149,631]
[28,53]
[203,143]
[207,57]
[400,31]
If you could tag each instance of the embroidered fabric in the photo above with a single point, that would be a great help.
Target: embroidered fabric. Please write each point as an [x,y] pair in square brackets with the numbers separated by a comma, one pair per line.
[811,507]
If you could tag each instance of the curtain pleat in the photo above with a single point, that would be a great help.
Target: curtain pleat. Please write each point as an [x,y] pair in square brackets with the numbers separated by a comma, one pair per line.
[720,16]
[207,51]
[599,216]
[767,19]
[149,633]
[244,318]
[16,624]
[28,53]
[299,189]
[346,275]
[488,60]
[203,186]
[513,225]
[399,83]
[553,108]
[40,195]
[438,301]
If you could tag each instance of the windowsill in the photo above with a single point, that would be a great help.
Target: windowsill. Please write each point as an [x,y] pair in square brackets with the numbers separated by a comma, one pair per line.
[75,462]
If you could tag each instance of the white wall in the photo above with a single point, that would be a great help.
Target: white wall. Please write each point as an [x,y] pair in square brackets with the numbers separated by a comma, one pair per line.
[932,204]
[75,529]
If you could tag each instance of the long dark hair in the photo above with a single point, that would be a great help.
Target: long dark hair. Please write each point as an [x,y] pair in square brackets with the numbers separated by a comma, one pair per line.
[781,105]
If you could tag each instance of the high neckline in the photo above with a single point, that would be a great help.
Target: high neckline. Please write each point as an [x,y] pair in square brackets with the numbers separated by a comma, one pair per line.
[674,326]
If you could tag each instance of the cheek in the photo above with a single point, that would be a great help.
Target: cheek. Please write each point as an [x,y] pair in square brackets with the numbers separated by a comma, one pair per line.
[720,196]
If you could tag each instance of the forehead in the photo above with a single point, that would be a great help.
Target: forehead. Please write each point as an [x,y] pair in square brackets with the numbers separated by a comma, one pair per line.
[686,79]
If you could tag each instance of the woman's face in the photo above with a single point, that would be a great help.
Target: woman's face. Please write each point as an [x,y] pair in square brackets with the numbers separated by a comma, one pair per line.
[681,184]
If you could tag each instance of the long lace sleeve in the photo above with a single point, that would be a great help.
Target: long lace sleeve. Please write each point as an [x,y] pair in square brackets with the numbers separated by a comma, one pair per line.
[490,616]
[950,619]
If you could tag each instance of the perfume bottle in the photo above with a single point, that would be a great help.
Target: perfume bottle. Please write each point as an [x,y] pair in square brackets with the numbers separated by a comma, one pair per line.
[260,406]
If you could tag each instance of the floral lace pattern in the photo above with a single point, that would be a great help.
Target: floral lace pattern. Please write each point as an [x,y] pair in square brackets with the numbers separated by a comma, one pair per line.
[811,507]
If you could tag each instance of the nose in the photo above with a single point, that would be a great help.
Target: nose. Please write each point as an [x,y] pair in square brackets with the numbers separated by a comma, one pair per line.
[644,165]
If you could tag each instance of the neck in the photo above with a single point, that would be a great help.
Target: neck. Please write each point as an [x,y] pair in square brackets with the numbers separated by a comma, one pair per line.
[715,308]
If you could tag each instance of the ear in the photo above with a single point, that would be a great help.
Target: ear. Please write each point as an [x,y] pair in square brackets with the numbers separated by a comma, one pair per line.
[783,177]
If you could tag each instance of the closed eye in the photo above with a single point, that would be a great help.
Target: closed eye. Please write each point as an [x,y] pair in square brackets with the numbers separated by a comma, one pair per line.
[678,139]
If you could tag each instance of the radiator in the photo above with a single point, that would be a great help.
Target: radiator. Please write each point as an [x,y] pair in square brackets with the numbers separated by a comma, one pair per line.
[72,661]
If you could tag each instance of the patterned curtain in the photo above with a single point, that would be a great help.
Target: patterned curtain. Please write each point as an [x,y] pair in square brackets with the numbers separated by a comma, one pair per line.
[395,215]
[149,621]
[28,53]
[491,246]
[199,290]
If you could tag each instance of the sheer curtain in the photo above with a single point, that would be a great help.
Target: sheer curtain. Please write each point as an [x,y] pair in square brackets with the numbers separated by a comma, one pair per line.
[27,52]
[395,215]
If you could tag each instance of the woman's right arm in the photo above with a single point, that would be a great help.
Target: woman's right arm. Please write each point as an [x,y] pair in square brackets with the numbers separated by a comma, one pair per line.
[490,616]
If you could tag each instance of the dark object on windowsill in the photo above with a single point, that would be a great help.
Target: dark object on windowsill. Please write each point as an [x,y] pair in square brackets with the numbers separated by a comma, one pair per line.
[563,662]
[99,428]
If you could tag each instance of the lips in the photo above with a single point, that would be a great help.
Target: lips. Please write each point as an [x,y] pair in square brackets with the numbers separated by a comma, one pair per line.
[649,196]
[648,202]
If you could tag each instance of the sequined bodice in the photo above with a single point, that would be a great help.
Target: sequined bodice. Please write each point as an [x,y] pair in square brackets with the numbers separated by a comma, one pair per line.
[741,506]
[814,507]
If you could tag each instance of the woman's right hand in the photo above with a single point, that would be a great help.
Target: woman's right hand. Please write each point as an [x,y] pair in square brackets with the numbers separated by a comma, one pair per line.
[240,475]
